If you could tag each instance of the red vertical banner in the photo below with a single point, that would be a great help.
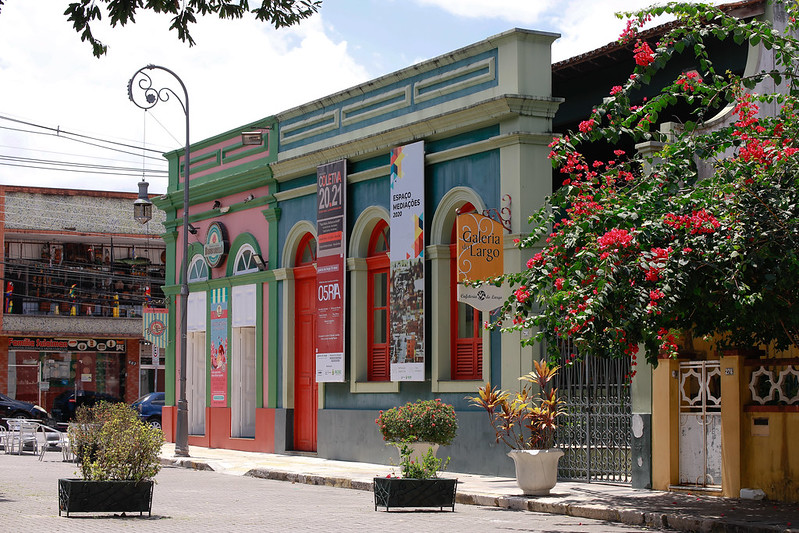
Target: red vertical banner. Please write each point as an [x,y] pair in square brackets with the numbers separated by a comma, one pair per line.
[331,254]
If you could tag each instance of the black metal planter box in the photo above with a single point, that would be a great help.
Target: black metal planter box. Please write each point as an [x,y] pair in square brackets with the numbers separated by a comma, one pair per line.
[408,492]
[80,496]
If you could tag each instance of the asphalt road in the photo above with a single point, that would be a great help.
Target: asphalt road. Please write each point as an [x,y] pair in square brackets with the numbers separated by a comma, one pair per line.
[206,501]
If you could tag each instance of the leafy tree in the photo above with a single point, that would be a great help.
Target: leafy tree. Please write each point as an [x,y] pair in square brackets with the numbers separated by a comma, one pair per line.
[279,13]
[702,236]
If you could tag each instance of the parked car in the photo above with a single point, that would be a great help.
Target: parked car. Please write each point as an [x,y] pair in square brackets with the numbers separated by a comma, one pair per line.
[67,402]
[11,408]
[149,408]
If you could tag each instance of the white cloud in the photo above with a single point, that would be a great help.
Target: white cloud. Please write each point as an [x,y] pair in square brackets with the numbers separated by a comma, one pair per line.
[238,72]
[526,12]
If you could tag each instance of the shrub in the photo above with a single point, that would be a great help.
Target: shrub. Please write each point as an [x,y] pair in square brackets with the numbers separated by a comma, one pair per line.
[111,443]
[421,421]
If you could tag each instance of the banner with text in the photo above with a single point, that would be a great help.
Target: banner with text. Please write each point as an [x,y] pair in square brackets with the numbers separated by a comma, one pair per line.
[331,254]
[480,255]
[219,347]
[407,263]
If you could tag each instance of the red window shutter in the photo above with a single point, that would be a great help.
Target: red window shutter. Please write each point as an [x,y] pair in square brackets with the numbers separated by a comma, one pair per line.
[378,368]
[378,363]
[466,352]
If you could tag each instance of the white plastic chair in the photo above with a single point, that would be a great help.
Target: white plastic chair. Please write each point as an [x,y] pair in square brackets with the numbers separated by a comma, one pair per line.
[48,438]
[21,432]
[4,438]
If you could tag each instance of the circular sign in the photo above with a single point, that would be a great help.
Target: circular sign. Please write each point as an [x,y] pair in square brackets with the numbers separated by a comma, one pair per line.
[156,328]
[215,247]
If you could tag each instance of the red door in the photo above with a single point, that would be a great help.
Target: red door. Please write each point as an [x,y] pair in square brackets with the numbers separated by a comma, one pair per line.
[305,387]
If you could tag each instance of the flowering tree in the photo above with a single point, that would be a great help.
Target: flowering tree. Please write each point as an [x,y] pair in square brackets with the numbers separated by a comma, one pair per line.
[704,236]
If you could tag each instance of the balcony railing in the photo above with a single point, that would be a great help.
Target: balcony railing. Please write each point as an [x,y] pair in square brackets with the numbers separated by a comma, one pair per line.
[118,290]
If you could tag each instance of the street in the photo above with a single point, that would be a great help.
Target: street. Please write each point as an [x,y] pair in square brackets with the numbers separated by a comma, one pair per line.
[190,500]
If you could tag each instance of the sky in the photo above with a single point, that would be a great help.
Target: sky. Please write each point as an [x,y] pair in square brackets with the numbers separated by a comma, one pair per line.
[58,102]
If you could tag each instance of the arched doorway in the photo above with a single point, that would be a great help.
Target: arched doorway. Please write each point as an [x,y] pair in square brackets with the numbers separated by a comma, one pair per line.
[306,399]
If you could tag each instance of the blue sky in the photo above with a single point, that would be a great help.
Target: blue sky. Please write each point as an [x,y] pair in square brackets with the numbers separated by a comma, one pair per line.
[239,71]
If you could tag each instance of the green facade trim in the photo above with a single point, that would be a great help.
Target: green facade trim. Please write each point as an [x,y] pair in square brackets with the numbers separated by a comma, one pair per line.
[235,246]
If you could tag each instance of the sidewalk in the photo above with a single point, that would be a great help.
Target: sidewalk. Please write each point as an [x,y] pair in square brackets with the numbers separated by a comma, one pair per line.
[662,510]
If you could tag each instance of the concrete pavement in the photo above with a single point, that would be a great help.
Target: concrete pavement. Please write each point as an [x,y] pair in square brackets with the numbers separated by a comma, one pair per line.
[635,507]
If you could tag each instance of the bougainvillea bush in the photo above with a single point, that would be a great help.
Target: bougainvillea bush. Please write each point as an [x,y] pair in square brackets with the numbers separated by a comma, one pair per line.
[702,236]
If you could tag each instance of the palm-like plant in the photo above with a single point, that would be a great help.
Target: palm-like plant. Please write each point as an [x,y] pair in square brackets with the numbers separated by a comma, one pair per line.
[525,420]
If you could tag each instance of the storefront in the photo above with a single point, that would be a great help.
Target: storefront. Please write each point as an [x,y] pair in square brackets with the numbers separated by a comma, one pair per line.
[52,372]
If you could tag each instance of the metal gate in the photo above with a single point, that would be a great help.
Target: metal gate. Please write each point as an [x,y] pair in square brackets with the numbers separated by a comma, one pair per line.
[596,435]
[700,423]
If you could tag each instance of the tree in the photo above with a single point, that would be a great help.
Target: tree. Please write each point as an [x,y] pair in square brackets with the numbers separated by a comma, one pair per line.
[279,13]
[701,237]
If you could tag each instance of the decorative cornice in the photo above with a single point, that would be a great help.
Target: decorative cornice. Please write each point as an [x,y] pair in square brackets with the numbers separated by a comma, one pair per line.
[440,126]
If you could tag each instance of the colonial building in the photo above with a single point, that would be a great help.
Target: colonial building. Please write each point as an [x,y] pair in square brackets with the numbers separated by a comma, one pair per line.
[77,271]
[322,278]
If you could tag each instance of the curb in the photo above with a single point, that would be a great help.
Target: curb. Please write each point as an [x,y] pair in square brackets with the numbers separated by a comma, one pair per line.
[628,517]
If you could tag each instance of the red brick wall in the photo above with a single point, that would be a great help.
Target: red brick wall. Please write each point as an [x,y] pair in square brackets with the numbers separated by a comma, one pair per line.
[4,365]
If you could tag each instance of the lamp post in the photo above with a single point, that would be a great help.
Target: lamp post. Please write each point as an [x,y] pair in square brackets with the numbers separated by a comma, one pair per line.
[152,96]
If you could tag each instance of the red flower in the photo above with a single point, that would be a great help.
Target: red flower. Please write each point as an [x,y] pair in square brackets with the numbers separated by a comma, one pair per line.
[643,54]
[587,125]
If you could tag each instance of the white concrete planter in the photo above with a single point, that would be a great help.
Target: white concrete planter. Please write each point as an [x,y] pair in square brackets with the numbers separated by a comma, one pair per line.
[536,470]
[418,449]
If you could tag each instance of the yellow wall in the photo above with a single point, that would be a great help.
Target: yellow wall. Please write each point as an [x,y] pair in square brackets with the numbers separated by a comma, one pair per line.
[763,456]
[771,462]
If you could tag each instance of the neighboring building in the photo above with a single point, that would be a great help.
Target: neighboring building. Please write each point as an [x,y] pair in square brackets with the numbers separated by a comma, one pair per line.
[76,274]
[286,225]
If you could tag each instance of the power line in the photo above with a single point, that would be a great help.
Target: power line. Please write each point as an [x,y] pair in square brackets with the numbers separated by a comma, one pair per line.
[59,132]
[93,157]
[85,171]
[19,159]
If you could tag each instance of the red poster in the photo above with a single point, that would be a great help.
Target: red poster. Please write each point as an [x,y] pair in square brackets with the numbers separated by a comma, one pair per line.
[330,270]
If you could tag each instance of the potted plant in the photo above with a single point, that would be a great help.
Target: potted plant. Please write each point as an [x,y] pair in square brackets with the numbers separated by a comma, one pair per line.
[420,425]
[525,421]
[118,458]
[419,484]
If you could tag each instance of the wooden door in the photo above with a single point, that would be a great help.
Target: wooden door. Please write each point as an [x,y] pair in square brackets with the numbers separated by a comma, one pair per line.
[305,387]
[195,381]
[243,391]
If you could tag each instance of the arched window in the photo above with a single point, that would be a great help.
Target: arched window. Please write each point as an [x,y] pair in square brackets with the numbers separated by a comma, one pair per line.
[377,262]
[245,263]
[198,269]
[306,251]
[466,331]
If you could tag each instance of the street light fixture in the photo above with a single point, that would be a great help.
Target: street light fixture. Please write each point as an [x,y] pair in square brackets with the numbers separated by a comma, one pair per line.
[143,207]
[152,96]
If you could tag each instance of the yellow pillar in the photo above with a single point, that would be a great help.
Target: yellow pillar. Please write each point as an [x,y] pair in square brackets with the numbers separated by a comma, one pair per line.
[665,424]
[732,376]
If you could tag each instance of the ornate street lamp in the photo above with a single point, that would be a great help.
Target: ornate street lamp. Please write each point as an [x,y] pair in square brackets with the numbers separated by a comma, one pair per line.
[152,96]
[143,207]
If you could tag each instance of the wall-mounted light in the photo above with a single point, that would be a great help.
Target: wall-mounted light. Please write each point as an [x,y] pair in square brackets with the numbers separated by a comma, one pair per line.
[259,262]
[254,137]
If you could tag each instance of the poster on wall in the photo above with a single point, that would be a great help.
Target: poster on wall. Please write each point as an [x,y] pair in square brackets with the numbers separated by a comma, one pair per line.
[219,347]
[480,255]
[407,263]
[331,231]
